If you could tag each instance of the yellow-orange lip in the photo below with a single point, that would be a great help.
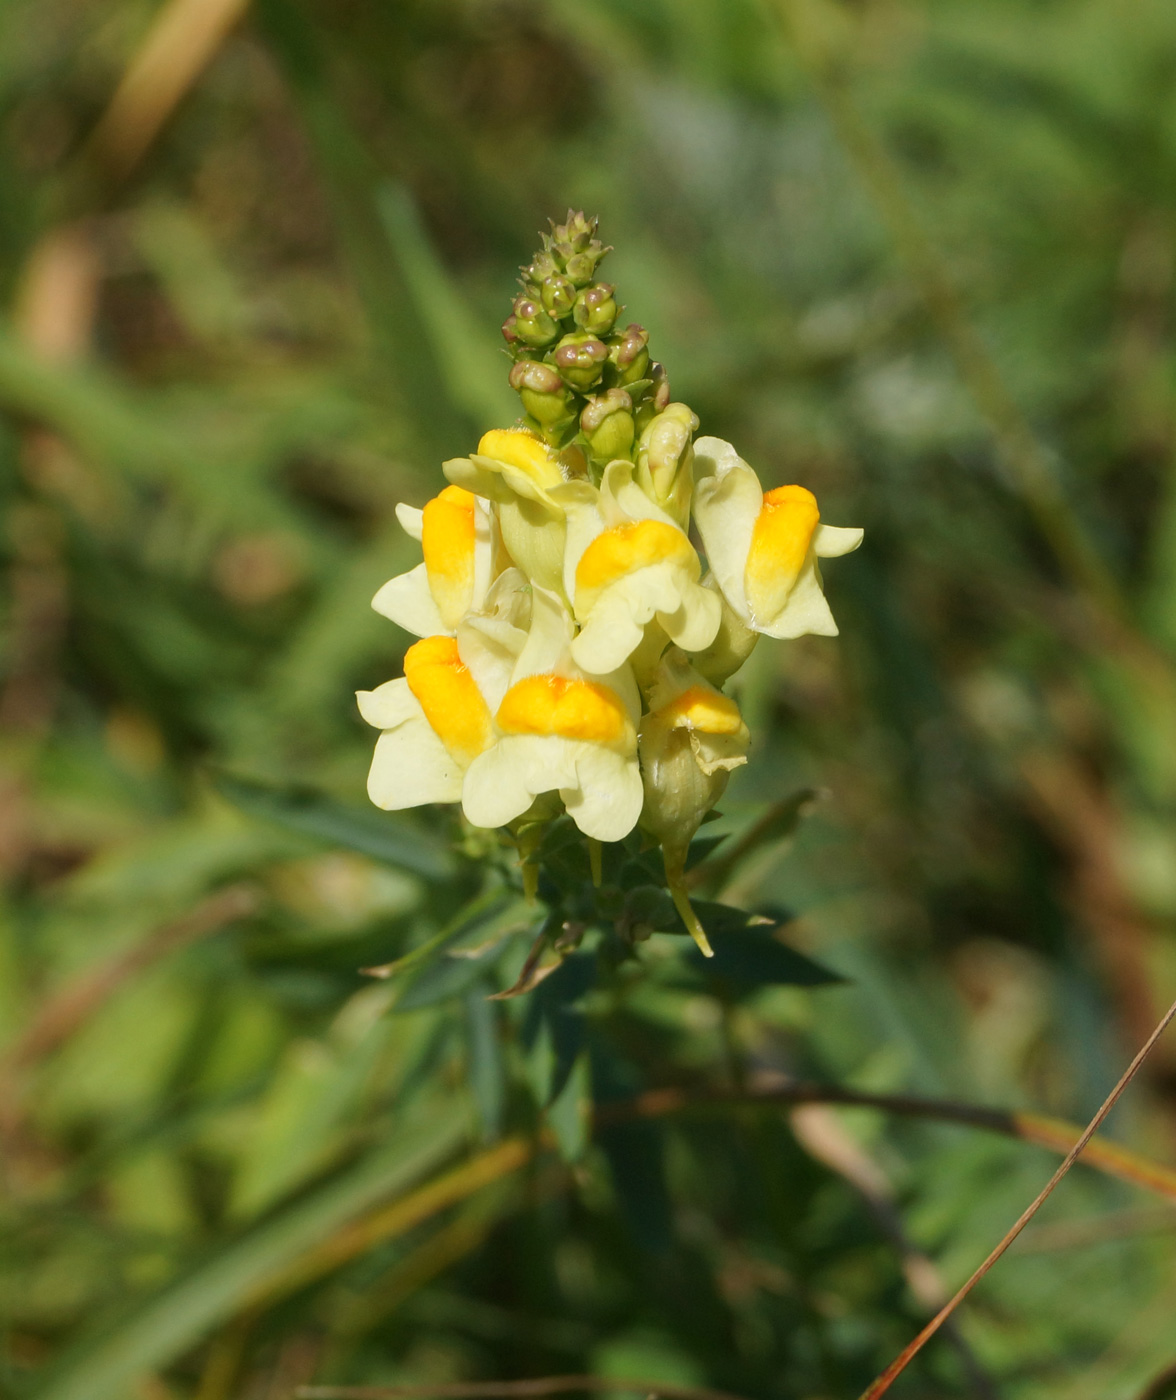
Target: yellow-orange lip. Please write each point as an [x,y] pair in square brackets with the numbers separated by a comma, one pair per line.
[448,695]
[779,545]
[517,448]
[626,548]
[571,709]
[708,711]
[448,539]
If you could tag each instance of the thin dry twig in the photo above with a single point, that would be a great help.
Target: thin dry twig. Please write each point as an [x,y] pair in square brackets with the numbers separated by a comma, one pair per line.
[821,1135]
[1052,1133]
[900,1363]
[509,1390]
[180,44]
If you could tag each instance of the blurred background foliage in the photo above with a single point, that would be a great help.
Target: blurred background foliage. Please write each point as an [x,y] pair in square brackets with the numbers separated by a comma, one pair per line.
[915,254]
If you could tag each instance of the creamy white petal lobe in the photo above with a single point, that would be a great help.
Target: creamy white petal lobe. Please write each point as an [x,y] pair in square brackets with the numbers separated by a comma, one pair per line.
[831,541]
[695,623]
[502,783]
[480,479]
[411,766]
[611,634]
[388,705]
[727,502]
[483,552]
[607,798]
[806,610]
[584,523]
[490,648]
[622,499]
[547,642]
[406,600]
[412,520]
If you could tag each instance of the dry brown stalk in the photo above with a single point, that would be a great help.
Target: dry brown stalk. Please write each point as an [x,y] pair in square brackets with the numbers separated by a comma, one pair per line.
[180,44]
[900,1363]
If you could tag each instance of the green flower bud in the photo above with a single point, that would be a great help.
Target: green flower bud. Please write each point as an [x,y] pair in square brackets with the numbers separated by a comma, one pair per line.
[544,394]
[665,459]
[596,309]
[580,358]
[608,426]
[575,248]
[509,334]
[541,265]
[691,739]
[532,325]
[654,397]
[575,235]
[558,293]
[628,354]
[580,268]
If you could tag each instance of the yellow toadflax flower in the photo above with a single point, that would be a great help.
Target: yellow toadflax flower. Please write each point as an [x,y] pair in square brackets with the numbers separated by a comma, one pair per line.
[627,563]
[560,730]
[763,547]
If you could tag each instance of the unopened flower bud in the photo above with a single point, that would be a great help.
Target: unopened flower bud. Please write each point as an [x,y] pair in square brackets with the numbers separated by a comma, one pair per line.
[608,425]
[628,353]
[541,265]
[532,325]
[596,309]
[509,333]
[558,294]
[580,268]
[580,360]
[575,234]
[544,394]
[665,459]
[689,741]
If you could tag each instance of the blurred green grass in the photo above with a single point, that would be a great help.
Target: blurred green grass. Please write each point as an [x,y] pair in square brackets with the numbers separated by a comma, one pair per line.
[220,371]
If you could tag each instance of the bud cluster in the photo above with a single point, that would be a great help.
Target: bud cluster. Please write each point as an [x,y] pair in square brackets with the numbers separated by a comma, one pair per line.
[583,379]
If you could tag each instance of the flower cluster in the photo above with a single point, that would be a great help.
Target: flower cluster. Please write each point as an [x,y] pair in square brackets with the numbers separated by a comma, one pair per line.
[573,643]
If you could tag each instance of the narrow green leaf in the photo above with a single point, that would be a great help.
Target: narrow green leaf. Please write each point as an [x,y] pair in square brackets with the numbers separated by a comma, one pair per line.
[381,835]
[183,1314]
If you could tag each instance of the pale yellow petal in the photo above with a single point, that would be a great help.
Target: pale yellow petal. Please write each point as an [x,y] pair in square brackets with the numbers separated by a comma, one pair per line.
[407,601]
[412,766]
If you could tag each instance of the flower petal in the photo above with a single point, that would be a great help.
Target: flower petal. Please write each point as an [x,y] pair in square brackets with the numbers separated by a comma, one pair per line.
[727,502]
[606,800]
[388,705]
[411,520]
[407,601]
[830,541]
[502,783]
[806,610]
[695,624]
[411,766]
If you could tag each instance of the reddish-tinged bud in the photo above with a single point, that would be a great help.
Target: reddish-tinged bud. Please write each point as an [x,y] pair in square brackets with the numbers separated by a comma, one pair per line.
[580,360]
[596,309]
